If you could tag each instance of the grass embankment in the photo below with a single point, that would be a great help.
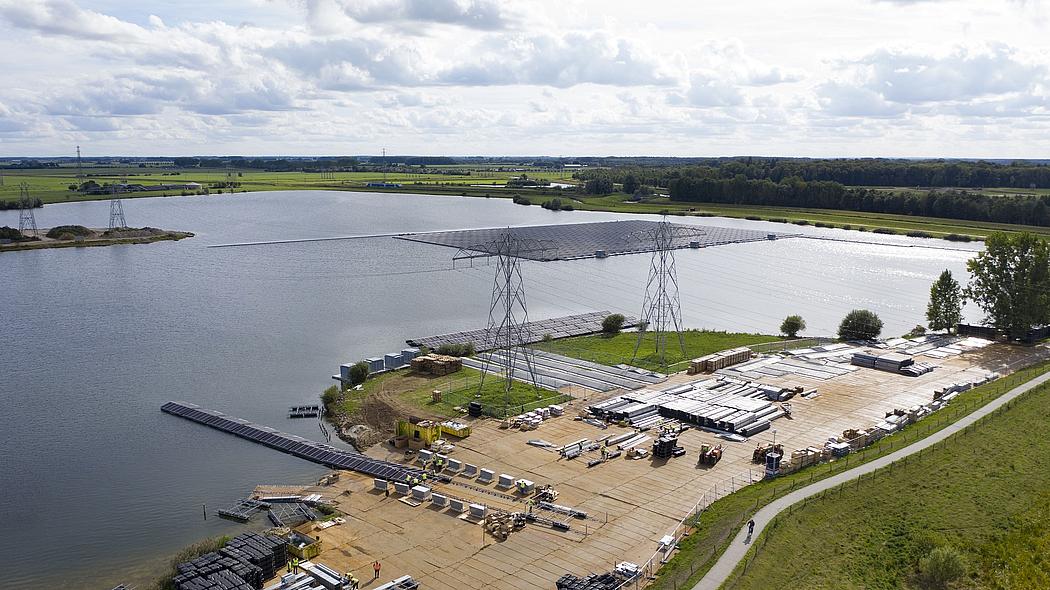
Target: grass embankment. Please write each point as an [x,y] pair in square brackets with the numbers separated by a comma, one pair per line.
[99,238]
[415,391]
[985,492]
[718,524]
[619,348]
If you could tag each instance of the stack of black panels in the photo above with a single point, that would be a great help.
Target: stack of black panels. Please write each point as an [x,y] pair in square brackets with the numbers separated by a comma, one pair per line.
[214,571]
[591,582]
[665,446]
[266,552]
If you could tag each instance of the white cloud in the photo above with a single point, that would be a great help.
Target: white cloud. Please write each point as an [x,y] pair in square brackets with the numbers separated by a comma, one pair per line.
[834,77]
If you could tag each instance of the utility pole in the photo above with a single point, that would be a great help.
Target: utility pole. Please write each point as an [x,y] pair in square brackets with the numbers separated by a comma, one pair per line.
[661,307]
[116,207]
[508,312]
[26,219]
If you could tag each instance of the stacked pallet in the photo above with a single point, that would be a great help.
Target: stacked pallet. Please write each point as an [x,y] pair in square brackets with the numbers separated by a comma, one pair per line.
[437,364]
[893,362]
[719,360]
[591,582]
[666,446]
[243,564]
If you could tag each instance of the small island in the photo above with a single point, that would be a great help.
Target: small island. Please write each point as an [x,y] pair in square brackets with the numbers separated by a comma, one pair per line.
[65,236]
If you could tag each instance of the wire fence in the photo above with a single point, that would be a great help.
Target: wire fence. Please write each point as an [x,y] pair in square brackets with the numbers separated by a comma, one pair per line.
[824,465]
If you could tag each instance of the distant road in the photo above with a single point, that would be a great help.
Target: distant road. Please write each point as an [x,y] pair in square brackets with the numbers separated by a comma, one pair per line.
[737,550]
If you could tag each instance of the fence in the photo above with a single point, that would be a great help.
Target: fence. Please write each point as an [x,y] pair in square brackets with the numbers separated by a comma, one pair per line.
[963,405]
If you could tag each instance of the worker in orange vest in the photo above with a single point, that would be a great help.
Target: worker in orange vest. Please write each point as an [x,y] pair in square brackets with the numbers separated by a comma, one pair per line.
[376,566]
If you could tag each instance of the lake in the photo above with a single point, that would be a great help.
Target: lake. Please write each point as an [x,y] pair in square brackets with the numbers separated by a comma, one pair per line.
[102,488]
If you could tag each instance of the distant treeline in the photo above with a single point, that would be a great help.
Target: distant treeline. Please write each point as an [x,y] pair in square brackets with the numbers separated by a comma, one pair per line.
[794,192]
[5,205]
[343,163]
[850,172]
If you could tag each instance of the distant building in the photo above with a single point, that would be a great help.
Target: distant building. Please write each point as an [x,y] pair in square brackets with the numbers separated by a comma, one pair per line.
[383,185]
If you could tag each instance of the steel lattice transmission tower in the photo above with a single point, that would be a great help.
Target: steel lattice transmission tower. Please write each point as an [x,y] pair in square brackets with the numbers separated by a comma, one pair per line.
[661,309]
[26,219]
[508,310]
[116,207]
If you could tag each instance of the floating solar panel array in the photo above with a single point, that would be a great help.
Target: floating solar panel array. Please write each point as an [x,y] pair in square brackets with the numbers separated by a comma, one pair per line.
[584,240]
[721,403]
[560,327]
[292,444]
[554,372]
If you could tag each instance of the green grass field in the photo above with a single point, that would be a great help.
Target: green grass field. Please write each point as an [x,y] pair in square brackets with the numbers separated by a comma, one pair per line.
[457,389]
[613,350]
[718,524]
[986,492]
[52,185]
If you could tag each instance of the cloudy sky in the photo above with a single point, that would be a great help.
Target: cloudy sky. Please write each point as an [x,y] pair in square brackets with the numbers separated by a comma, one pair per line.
[917,78]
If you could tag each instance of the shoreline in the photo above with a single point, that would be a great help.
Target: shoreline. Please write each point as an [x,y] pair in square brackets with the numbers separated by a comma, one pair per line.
[44,244]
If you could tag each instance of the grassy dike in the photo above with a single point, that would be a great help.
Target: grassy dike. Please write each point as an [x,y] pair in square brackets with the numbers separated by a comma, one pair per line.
[718,524]
[984,492]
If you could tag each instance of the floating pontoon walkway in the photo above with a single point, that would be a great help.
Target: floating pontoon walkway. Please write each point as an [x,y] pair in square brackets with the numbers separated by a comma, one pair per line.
[289,443]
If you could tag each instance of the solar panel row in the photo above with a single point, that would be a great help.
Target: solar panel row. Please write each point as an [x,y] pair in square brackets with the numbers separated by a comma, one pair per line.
[289,443]
[560,327]
[584,240]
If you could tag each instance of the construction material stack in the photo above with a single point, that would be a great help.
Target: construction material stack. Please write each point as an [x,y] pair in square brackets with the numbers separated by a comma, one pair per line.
[759,455]
[436,364]
[719,360]
[666,446]
[243,564]
[591,582]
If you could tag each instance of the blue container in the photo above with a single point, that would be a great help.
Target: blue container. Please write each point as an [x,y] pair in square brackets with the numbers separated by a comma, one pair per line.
[393,361]
[375,365]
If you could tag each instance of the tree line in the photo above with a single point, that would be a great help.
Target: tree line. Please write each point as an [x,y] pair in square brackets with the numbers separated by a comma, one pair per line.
[849,172]
[821,194]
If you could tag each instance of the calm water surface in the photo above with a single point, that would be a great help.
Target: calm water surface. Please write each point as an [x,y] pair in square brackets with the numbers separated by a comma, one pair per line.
[100,486]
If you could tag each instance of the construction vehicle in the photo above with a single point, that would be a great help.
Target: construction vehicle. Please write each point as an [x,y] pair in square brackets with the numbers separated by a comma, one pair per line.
[709,455]
[759,455]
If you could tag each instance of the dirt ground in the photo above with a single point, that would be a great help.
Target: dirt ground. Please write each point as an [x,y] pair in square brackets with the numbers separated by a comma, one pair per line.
[630,504]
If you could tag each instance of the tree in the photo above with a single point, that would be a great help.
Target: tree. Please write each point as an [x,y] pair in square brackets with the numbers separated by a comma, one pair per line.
[613,323]
[943,566]
[1010,280]
[944,311]
[793,324]
[860,324]
[358,373]
[630,184]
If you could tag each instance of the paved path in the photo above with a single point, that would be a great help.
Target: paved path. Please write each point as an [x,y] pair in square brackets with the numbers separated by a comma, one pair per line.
[737,550]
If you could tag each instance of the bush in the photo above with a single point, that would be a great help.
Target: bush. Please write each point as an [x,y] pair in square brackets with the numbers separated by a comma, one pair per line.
[358,373]
[613,323]
[801,222]
[918,330]
[10,233]
[567,208]
[943,566]
[520,200]
[860,324]
[330,396]
[75,230]
[883,230]
[753,218]
[778,219]
[958,238]
[793,324]
[918,233]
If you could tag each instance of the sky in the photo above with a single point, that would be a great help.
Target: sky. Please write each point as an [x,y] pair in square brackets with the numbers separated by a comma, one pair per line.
[816,78]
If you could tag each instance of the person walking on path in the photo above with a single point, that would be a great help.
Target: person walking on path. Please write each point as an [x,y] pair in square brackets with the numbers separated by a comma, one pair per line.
[750,530]
[376,566]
